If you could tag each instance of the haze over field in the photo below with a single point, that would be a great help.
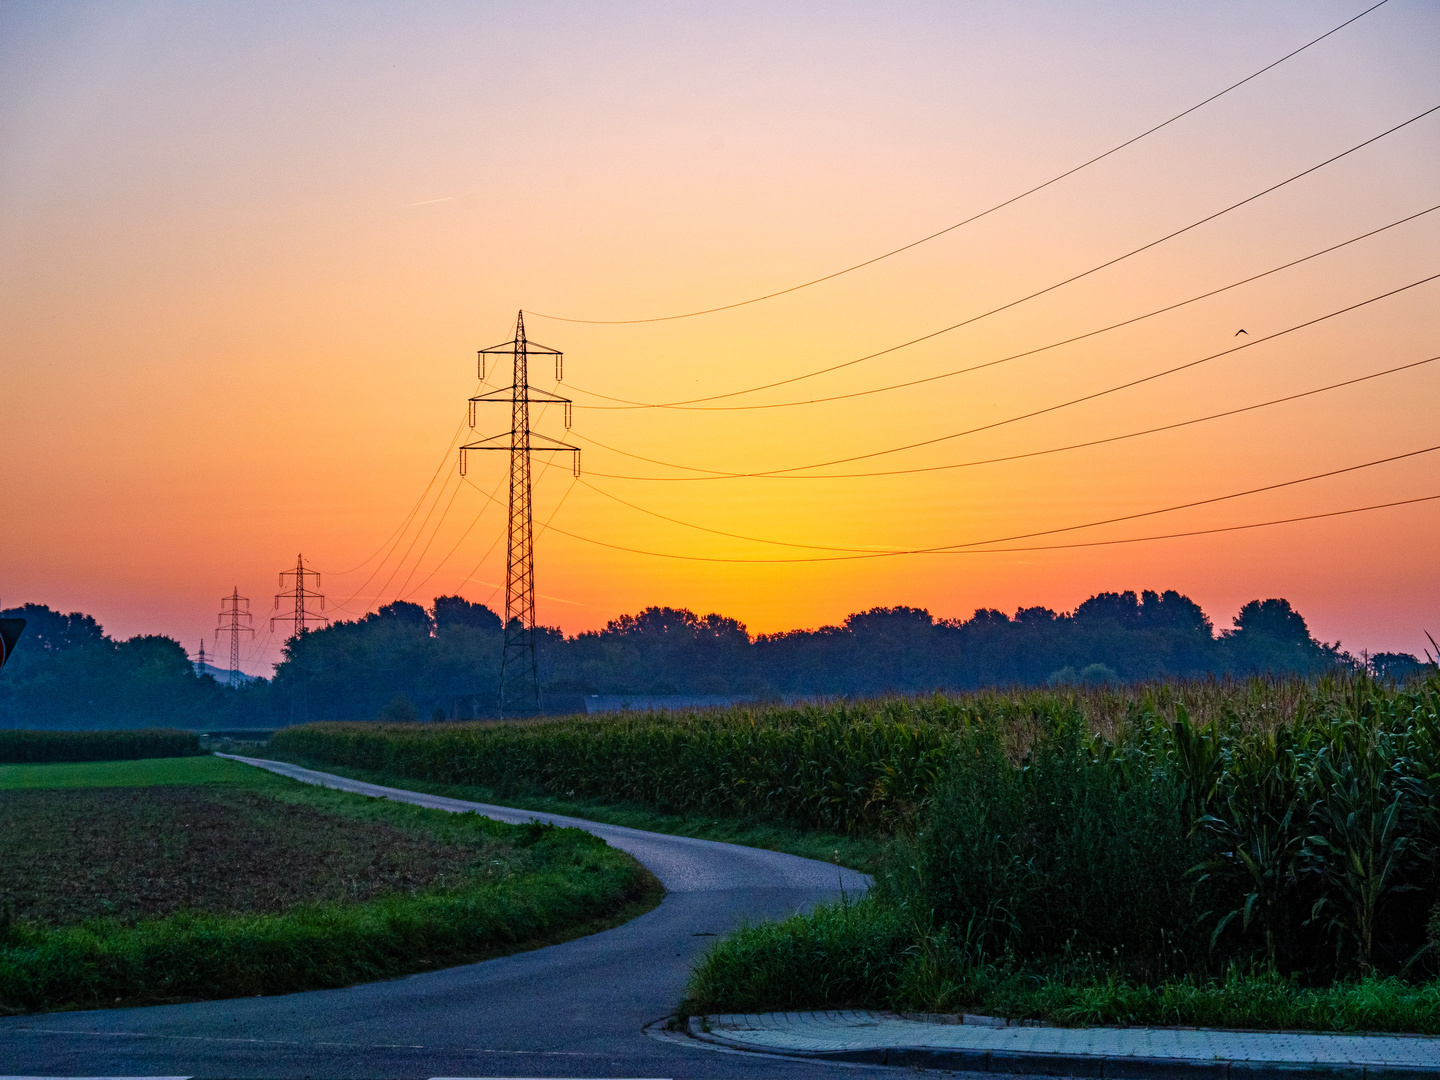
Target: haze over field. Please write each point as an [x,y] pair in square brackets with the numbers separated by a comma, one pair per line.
[247,252]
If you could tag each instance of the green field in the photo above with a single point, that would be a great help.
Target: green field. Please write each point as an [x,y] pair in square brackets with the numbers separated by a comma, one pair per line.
[147,772]
[178,879]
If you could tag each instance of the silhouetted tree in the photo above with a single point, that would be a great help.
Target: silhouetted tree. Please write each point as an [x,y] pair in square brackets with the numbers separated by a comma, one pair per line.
[406,661]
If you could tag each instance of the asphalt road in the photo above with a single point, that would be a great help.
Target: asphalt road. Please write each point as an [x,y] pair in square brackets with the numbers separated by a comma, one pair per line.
[570,1010]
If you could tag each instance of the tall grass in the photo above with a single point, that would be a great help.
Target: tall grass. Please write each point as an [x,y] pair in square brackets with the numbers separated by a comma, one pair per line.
[18,746]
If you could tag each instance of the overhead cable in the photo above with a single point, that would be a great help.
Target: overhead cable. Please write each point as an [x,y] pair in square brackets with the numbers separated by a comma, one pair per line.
[1014,303]
[984,213]
[1027,415]
[402,592]
[1002,550]
[872,552]
[405,521]
[405,595]
[722,532]
[1027,352]
[1048,450]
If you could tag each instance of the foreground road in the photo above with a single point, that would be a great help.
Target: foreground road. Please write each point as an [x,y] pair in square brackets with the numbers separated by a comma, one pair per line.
[573,1010]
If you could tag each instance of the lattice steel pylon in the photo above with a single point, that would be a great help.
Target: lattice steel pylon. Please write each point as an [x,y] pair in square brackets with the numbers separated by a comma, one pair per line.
[300,617]
[238,623]
[519,676]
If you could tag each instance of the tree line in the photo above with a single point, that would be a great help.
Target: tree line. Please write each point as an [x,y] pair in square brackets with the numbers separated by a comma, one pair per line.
[406,661]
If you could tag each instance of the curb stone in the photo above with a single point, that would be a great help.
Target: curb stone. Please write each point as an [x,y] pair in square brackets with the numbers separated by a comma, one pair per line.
[1083,1066]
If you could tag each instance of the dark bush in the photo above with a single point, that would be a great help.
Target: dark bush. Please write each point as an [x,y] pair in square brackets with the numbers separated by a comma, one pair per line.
[39,746]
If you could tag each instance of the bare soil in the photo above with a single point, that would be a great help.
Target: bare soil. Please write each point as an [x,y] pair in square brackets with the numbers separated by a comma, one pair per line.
[67,855]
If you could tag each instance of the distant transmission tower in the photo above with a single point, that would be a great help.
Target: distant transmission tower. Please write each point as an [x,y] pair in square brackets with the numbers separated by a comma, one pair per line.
[519,678]
[200,662]
[305,607]
[234,620]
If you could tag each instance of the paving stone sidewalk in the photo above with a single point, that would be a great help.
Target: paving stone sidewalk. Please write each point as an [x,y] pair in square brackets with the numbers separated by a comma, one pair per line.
[982,1044]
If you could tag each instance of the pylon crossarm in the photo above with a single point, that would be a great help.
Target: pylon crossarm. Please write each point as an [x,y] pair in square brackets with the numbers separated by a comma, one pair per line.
[507,348]
[502,442]
[492,442]
[507,396]
[555,444]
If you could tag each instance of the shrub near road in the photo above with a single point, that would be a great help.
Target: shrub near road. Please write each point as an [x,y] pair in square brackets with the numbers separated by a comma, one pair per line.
[260,885]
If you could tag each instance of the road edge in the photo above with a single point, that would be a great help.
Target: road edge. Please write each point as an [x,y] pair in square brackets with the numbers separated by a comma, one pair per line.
[1029,1063]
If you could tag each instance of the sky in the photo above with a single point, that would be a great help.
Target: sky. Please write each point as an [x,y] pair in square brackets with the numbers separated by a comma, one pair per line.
[248,252]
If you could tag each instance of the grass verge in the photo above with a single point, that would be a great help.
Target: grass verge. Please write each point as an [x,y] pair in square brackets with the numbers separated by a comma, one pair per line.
[142,773]
[861,853]
[864,954]
[284,887]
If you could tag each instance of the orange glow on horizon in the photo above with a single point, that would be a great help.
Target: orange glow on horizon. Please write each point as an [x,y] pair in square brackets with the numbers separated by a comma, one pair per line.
[246,256]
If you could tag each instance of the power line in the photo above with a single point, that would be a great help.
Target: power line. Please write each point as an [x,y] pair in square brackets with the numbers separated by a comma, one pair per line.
[399,534]
[984,213]
[395,537]
[384,589]
[413,510]
[871,552]
[1049,450]
[1003,550]
[1207,532]
[1027,352]
[409,517]
[490,498]
[1014,303]
[1207,502]
[436,568]
[1033,413]
[999,551]
[720,532]
[400,593]
[544,526]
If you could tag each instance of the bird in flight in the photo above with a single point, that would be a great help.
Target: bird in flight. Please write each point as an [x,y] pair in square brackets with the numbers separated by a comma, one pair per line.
[1241,331]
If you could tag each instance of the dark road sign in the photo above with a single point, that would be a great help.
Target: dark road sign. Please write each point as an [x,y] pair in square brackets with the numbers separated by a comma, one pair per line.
[9,634]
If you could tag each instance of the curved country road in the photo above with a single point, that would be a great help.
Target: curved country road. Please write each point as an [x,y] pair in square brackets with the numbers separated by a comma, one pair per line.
[570,1010]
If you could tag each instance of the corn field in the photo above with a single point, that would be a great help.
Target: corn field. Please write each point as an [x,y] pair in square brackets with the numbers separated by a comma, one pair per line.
[1287,823]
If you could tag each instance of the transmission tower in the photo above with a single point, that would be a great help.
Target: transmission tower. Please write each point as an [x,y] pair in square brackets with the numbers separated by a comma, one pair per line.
[200,660]
[519,679]
[234,620]
[305,607]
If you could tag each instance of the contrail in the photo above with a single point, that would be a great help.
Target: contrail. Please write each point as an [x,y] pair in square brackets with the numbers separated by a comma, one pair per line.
[429,202]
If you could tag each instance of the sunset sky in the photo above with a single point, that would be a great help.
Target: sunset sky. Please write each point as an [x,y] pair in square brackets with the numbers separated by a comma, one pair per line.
[248,251]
